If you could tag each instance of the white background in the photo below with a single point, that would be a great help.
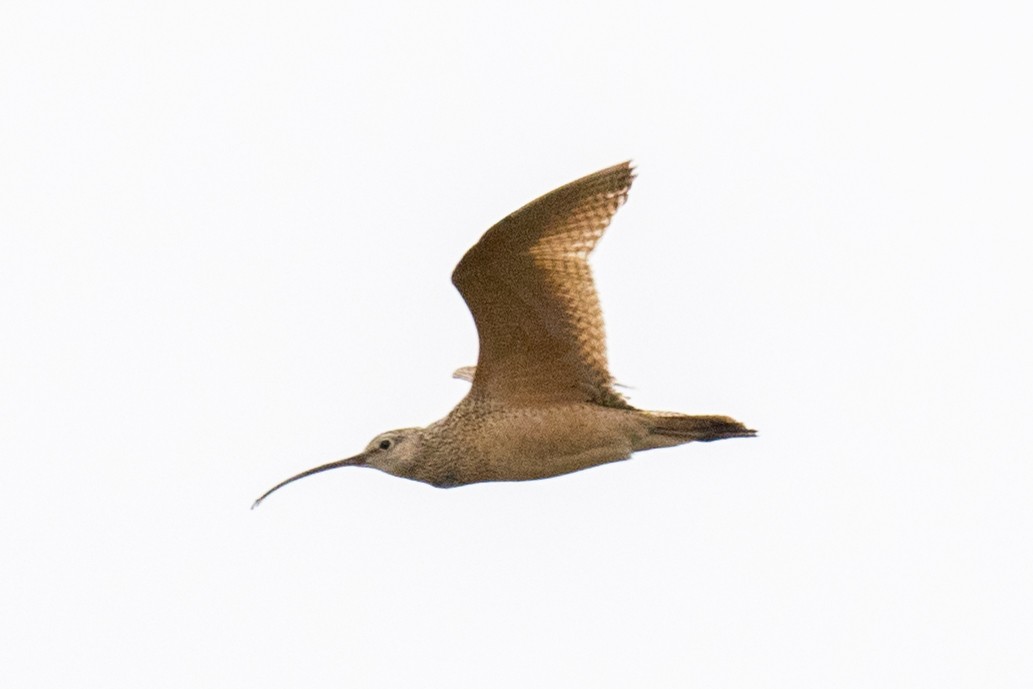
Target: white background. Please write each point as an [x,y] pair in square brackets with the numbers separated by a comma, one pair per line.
[227,235]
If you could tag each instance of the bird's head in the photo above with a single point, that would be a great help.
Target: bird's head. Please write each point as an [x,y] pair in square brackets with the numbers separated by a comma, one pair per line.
[393,452]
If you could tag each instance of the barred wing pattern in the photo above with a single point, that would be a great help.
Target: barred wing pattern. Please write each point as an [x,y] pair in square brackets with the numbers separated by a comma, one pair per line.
[529,287]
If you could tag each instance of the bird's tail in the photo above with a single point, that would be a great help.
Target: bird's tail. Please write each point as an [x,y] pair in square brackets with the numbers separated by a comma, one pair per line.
[682,428]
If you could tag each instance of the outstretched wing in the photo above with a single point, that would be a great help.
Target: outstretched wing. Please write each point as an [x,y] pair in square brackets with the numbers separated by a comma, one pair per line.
[529,287]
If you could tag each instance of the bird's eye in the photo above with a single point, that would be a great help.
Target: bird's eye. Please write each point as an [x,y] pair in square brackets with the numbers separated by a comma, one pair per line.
[385,444]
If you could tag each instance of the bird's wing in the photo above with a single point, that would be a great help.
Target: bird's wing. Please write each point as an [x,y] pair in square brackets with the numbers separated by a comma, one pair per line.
[464,373]
[529,287]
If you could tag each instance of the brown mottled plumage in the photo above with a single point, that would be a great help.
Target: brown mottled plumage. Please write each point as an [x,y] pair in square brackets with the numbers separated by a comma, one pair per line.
[542,401]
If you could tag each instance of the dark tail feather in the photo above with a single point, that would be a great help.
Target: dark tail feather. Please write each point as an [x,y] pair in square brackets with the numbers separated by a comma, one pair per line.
[699,428]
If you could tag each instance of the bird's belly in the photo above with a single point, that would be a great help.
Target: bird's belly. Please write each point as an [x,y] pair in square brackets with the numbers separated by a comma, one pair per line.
[518,445]
[530,466]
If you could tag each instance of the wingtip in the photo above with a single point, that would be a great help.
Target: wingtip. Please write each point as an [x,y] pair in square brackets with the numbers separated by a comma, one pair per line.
[628,165]
[465,373]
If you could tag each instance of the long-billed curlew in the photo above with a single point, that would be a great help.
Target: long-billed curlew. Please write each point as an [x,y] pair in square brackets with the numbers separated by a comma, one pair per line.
[542,401]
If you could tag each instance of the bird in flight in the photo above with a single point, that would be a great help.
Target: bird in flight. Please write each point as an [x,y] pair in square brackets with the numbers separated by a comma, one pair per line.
[542,402]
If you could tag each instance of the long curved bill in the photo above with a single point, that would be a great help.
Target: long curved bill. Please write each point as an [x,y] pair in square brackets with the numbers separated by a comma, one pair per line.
[357,460]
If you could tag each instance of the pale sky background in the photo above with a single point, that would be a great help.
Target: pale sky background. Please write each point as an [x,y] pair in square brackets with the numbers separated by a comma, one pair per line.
[227,235]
